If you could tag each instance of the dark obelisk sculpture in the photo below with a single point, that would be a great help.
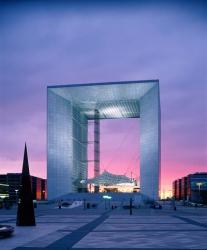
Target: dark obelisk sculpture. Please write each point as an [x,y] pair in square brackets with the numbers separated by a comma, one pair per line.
[25,212]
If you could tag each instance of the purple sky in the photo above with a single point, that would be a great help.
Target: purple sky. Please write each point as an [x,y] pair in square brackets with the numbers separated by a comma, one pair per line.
[43,44]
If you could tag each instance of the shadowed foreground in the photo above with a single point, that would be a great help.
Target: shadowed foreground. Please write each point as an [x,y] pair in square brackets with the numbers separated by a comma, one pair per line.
[98,228]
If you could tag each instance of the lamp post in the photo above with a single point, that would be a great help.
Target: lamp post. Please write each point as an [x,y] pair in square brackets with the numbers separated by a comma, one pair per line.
[43,194]
[130,206]
[107,197]
[16,191]
[83,183]
[199,184]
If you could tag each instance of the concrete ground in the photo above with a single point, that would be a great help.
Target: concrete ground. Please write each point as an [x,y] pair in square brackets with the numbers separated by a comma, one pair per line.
[100,228]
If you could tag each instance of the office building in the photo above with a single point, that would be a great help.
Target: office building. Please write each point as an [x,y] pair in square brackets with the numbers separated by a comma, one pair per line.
[12,181]
[71,107]
[191,188]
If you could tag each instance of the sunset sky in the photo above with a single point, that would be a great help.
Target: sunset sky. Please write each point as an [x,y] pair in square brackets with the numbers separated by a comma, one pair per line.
[44,44]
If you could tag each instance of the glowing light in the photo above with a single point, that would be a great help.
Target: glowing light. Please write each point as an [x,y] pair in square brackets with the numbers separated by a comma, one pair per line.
[107,197]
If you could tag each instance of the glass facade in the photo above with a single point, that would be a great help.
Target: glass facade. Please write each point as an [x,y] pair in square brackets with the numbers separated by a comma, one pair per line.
[12,182]
[69,109]
[192,187]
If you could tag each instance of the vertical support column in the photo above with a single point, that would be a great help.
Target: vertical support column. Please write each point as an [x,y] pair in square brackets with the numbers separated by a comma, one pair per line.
[150,143]
[79,150]
[84,154]
[59,145]
[96,144]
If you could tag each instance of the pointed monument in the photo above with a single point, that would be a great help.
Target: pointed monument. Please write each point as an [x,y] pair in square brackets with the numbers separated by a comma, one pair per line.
[25,212]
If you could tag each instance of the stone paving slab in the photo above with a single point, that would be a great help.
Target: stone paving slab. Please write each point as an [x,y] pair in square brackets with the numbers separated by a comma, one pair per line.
[84,229]
[75,236]
[149,219]
[46,240]
[137,215]
[71,216]
[23,235]
[73,226]
[123,248]
[200,219]
[59,220]
[5,218]
[8,215]
[192,222]
[156,227]
[154,240]
[65,219]
[137,222]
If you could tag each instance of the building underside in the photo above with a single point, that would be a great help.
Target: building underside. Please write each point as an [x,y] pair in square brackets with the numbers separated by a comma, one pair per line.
[71,107]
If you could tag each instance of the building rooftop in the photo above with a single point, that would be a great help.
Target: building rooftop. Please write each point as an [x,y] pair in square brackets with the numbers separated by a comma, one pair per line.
[112,100]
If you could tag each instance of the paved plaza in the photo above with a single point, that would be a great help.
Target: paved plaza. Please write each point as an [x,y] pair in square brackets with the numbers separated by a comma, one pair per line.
[100,228]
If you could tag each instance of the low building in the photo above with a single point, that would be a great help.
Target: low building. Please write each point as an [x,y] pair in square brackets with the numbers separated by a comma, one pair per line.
[178,189]
[4,191]
[191,188]
[12,182]
[4,187]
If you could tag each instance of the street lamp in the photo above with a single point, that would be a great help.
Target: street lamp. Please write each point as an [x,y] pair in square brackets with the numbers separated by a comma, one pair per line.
[43,194]
[83,181]
[199,184]
[83,185]
[16,191]
[107,197]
